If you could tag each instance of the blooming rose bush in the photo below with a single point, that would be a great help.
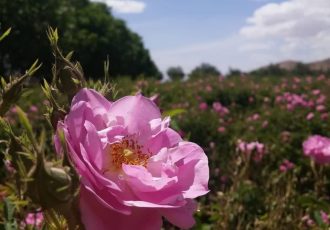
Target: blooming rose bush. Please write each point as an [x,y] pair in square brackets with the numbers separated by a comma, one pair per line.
[134,168]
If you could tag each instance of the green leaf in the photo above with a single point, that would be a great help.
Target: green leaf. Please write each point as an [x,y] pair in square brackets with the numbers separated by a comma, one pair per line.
[310,201]
[174,125]
[4,126]
[27,126]
[54,220]
[3,83]
[173,112]
[318,218]
[52,35]
[12,90]
[25,121]
[34,67]
[61,137]
[5,34]
[9,210]
[42,140]
[106,67]
[69,55]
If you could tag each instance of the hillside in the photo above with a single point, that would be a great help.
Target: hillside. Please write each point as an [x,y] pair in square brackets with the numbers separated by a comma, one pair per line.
[290,65]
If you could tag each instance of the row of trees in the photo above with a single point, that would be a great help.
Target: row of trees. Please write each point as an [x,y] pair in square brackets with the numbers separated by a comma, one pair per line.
[300,69]
[86,27]
[204,70]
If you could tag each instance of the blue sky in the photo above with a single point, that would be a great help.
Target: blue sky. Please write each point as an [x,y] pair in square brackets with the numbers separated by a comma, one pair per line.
[174,23]
[241,34]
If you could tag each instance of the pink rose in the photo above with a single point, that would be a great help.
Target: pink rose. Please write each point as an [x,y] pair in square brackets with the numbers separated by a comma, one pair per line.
[203,106]
[318,148]
[325,217]
[221,129]
[320,108]
[250,146]
[257,149]
[208,88]
[217,106]
[316,92]
[324,116]
[286,165]
[321,99]
[9,166]
[308,221]
[134,168]
[255,117]
[34,220]
[241,146]
[310,116]
[33,108]
[265,124]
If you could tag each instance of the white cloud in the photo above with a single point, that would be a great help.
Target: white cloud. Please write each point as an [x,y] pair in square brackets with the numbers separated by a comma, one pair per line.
[298,29]
[260,0]
[292,18]
[125,6]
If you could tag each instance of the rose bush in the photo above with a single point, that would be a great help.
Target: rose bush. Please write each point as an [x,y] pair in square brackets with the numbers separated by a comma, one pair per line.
[134,169]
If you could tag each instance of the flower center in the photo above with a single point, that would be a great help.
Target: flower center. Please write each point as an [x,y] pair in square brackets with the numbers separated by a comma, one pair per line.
[128,152]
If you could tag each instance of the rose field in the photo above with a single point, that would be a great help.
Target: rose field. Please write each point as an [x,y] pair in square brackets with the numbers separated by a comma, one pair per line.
[164,115]
[265,139]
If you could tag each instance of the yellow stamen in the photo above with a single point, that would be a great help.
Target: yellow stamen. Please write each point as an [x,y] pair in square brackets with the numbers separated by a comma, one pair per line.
[127,152]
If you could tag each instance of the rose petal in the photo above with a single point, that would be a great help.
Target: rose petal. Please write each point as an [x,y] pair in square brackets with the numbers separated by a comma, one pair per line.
[166,138]
[141,180]
[190,156]
[95,99]
[93,146]
[181,217]
[96,216]
[137,112]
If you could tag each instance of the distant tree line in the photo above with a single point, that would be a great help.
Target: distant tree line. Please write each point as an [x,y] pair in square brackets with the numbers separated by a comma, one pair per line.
[207,70]
[175,73]
[199,72]
[85,27]
[300,69]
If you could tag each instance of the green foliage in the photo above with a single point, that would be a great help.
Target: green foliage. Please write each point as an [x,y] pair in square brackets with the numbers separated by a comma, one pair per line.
[10,221]
[175,73]
[271,70]
[246,194]
[302,70]
[55,221]
[173,112]
[89,28]
[11,91]
[35,180]
[68,76]
[234,72]
[5,34]
[204,70]
[299,69]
